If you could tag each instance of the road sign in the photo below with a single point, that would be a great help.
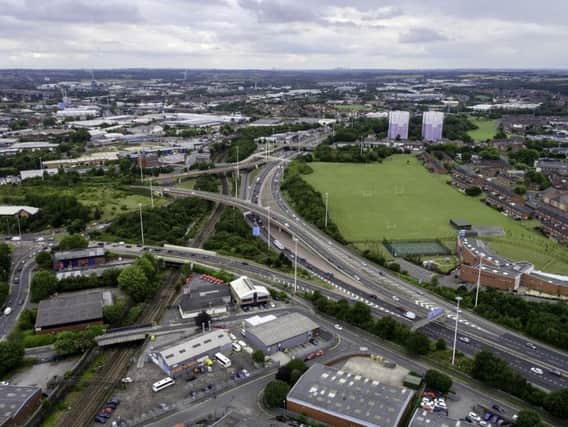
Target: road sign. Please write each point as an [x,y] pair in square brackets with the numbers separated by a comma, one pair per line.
[435,313]
[256,231]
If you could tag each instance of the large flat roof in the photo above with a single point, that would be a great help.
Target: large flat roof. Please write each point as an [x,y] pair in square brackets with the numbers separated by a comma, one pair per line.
[80,253]
[195,347]
[13,398]
[283,328]
[349,396]
[422,418]
[76,307]
[203,297]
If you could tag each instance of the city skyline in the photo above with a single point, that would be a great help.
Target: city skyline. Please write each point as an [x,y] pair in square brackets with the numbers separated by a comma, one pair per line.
[285,34]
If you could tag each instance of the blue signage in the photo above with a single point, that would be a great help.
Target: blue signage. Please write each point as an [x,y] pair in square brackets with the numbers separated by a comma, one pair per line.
[256,231]
[434,313]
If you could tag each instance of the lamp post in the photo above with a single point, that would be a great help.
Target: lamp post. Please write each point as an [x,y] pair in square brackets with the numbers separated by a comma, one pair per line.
[295,264]
[268,226]
[478,280]
[458,299]
[151,194]
[141,223]
[326,208]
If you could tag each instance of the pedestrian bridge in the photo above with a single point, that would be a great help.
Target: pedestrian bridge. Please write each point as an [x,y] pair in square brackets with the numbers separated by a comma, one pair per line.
[139,333]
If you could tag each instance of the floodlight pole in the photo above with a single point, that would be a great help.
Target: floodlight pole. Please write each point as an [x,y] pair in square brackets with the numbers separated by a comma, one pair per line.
[141,223]
[268,226]
[478,280]
[295,264]
[326,208]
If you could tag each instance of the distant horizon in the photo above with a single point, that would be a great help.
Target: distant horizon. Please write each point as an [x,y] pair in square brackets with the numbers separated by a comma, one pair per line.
[333,69]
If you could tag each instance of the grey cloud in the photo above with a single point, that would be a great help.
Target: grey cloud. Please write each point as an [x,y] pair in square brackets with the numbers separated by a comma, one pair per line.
[269,11]
[421,35]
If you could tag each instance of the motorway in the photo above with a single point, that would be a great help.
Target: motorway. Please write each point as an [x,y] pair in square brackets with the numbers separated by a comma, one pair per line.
[23,258]
[379,283]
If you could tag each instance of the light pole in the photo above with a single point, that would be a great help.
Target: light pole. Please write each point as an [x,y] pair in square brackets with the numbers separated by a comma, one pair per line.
[237,175]
[326,208]
[295,263]
[458,299]
[478,280]
[141,223]
[268,226]
[151,194]
[141,168]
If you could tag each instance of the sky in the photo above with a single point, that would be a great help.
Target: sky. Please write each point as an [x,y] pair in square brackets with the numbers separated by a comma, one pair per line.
[283,34]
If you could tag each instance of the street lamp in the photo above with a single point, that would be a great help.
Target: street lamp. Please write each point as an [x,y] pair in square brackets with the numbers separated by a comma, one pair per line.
[151,194]
[141,223]
[326,208]
[458,299]
[478,280]
[268,225]
[295,263]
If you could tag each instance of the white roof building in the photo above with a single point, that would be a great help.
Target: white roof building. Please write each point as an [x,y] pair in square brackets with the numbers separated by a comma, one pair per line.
[244,291]
[8,210]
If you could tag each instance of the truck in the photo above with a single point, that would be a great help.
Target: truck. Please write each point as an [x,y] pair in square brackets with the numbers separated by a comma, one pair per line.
[7,311]
[410,315]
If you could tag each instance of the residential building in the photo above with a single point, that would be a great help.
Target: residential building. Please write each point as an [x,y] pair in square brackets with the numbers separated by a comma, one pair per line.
[398,124]
[432,125]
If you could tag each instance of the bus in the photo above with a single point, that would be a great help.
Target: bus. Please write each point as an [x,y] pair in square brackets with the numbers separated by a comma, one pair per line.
[223,360]
[162,384]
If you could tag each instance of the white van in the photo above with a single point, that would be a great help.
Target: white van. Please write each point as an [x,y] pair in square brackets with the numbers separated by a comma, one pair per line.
[236,347]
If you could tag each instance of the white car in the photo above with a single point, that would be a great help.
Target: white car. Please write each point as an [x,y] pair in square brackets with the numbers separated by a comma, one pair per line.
[537,371]
[395,298]
[465,339]
[531,345]
[4,383]
[474,416]
[127,380]
[338,327]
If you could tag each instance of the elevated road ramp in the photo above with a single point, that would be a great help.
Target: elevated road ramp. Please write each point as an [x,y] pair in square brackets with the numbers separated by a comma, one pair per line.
[432,316]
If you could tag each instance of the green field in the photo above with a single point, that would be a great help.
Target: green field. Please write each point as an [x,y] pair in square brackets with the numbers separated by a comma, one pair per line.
[400,199]
[486,129]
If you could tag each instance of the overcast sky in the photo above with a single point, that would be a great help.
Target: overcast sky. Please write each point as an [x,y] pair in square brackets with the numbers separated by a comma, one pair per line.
[300,34]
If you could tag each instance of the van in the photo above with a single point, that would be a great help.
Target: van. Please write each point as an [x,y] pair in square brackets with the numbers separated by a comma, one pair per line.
[236,347]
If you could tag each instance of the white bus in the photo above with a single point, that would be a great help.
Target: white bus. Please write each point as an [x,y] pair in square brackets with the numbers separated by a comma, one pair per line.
[223,360]
[162,384]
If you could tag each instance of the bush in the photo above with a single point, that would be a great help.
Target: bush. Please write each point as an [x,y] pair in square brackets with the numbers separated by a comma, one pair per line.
[73,241]
[258,356]
[44,260]
[418,343]
[43,285]
[473,191]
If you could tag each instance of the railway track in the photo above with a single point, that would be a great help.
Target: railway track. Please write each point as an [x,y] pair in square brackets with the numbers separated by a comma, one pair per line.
[92,398]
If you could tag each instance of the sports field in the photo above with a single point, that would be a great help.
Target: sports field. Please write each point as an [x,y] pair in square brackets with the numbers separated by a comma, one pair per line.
[400,199]
[486,129]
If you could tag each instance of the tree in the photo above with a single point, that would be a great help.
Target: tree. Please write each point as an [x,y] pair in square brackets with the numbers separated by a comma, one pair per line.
[557,403]
[149,264]
[275,393]
[113,313]
[202,318]
[529,419]
[11,354]
[418,343]
[473,191]
[521,190]
[44,284]
[135,283]
[441,344]
[44,260]
[73,241]
[438,381]
[258,356]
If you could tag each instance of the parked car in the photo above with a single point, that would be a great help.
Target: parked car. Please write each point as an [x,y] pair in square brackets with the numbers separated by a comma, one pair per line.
[338,327]
[536,371]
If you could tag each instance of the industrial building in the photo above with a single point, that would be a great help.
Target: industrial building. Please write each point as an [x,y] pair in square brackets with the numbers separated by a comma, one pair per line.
[213,299]
[17,404]
[282,332]
[343,399]
[77,310]
[78,258]
[20,211]
[398,124]
[188,354]
[432,126]
[87,161]
[246,293]
[423,418]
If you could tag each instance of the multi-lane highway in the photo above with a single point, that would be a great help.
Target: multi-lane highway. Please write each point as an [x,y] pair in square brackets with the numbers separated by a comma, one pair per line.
[378,282]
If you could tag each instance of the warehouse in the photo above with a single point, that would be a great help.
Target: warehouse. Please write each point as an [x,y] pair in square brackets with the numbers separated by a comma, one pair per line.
[77,310]
[186,355]
[213,299]
[342,399]
[78,258]
[246,293]
[17,403]
[283,332]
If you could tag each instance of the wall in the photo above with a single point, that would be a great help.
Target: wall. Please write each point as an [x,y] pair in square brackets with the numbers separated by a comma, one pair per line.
[488,279]
[74,327]
[540,285]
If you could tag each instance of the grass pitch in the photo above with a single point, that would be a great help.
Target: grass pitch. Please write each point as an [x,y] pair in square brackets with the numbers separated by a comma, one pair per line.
[486,129]
[400,199]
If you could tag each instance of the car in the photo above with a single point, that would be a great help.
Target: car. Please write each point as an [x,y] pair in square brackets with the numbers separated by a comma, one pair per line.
[310,356]
[338,327]
[4,383]
[245,373]
[126,380]
[498,408]
[272,305]
[395,298]
[114,401]
[555,372]
[104,414]
[313,341]
[537,371]
[100,420]
[319,353]
[530,345]
[363,348]
[465,339]
[108,410]
[474,416]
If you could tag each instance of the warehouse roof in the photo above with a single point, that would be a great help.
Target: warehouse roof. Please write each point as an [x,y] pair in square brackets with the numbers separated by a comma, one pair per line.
[76,307]
[349,396]
[204,297]
[195,347]
[81,253]
[13,398]
[422,418]
[14,210]
[283,328]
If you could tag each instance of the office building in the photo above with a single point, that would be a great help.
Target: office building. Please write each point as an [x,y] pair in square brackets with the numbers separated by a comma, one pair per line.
[245,292]
[398,124]
[432,126]
[213,299]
